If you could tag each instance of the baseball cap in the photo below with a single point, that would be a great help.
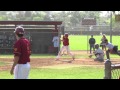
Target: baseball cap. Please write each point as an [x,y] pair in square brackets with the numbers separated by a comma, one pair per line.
[19,30]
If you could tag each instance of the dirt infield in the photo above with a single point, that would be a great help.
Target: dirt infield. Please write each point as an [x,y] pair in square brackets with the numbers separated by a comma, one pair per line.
[42,62]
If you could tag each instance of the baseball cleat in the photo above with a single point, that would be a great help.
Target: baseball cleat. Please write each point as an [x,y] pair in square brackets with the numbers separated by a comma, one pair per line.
[73,58]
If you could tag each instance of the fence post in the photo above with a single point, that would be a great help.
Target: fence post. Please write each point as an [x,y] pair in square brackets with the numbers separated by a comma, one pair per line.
[107,69]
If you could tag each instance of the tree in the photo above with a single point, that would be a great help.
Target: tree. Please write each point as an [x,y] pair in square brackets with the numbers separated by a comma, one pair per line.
[47,16]
[28,14]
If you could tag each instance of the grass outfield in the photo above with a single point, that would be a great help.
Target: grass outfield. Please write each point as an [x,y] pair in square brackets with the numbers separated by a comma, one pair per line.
[81,72]
[79,42]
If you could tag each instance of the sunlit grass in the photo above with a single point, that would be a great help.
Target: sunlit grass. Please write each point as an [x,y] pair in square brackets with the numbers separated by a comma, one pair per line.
[80,42]
[2,63]
[81,72]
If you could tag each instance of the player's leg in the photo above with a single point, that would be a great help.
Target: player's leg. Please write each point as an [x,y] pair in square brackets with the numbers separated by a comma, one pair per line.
[63,52]
[68,51]
[25,70]
[90,48]
[59,53]
[105,48]
[93,47]
[99,59]
[16,71]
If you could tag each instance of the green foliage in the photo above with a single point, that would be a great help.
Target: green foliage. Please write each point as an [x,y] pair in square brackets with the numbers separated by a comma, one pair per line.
[28,18]
[28,14]
[37,18]
[71,18]
[2,18]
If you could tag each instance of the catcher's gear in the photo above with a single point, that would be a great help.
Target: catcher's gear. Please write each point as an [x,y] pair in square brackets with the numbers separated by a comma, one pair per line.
[19,30]
[90,56]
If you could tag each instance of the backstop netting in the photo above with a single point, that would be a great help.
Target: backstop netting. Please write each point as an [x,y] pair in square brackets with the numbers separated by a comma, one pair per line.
[112,71]
[115,71]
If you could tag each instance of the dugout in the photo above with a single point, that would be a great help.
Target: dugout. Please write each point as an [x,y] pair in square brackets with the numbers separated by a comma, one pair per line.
[40,34]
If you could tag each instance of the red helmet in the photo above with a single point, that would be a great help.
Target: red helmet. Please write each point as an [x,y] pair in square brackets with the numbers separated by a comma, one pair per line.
[19,30]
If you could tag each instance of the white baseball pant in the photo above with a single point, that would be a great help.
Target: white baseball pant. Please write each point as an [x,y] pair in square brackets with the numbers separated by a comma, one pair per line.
[67,49]
[21,71]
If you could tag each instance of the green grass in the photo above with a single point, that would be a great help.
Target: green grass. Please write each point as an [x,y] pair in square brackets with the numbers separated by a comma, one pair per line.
[81,72]
[80,42]
[2,63]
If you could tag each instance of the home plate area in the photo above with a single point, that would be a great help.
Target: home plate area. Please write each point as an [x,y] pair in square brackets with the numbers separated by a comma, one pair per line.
[68,61]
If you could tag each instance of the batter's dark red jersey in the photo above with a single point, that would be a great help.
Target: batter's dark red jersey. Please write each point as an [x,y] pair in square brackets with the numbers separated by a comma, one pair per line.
[65,41]
[23,50]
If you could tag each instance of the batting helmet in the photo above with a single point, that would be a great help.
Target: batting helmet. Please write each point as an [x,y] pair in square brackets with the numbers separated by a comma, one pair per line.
[96,45]
[19,30]
[66,34]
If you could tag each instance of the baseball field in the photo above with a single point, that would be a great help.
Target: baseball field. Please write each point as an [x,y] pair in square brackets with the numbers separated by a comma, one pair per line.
[44,66]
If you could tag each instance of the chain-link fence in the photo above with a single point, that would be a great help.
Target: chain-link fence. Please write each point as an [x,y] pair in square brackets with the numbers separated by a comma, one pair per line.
[41,42]
[7,40]
[97,31]
[112,71]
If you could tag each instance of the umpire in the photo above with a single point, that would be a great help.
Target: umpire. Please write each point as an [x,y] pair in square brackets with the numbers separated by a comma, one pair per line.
[92,43]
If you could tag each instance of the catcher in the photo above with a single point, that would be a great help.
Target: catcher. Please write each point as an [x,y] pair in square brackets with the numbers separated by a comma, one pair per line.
[99,54]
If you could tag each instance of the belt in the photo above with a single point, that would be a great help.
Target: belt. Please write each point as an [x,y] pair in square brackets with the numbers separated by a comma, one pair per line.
[22,63]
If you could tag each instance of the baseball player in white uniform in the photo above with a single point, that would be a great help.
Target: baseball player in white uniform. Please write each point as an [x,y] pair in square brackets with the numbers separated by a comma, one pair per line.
[98,53]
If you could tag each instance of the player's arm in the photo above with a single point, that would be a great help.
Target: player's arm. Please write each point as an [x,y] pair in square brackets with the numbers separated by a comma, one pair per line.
[61,40]
[15,61]
[17,53]
[96,53]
